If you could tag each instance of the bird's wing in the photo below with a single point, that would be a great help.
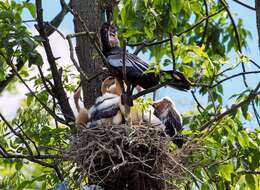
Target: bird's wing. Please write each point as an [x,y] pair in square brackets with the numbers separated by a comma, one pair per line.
[173,122]
[107,112]
[106,106]
[150,118]
[137,62]
[134,65]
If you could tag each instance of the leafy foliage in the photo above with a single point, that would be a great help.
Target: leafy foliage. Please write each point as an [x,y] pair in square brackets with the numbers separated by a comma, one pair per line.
[230,156]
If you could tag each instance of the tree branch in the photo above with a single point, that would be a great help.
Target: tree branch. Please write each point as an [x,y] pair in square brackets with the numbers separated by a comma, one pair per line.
[9,78]
[237,38]
[257,7]
[59,91]
[233,76]
[234,107]
[199,106]
[17,134]
[256,113]
[87,78]
[250,172]
[145,44]
[36,97]
[88,34]
[245,5]
[57,20]
[172,53]
[254,63]
[34,144]
[36,159]
[206,23]
[152,89]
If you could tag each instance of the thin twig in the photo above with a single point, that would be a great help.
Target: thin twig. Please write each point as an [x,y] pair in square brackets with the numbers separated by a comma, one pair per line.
[250,172]
[59,90]
[145,44]
[199,106]
[56,29]
[88,34]
[206,23]
[185,169]
[233,76]
[17,134]
[172,53]
[234,107]
[256,113]
[149,90]
[245,5]
[44,82]
[74,60]
[254,63]
[237,39]
[36,97]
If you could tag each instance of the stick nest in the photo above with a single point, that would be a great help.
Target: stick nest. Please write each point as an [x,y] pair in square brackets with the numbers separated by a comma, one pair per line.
[123,158]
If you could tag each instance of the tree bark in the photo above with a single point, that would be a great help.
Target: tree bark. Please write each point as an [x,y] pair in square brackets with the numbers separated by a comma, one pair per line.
[257,7]
[90,12]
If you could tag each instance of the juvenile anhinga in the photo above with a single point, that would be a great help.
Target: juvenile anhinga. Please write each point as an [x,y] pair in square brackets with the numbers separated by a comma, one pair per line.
[135,67]
[166,111]
[107,108]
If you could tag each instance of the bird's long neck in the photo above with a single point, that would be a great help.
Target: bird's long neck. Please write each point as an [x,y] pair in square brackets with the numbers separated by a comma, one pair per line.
[109,51]
[116,48]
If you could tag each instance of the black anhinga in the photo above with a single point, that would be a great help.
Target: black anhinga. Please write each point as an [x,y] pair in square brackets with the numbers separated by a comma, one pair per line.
[135,67]
[166,111]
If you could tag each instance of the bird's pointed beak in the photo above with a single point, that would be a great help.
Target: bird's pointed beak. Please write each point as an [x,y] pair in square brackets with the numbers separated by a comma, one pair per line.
[154,104]
[176,76]
[113,40]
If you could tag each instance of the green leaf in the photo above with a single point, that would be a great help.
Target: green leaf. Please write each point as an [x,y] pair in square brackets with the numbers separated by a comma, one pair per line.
[187,59]
[171,23]
[19,165]
[176,5]
[23,185]
[44,185]
[29,99]
[244,111]
[250,180]
[241,140]
[226,170]
[31,8]
[2,73]
[35,59]
[188,71]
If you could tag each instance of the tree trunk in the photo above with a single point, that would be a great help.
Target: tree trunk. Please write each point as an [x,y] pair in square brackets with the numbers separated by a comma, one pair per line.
[90,12]
[257,7]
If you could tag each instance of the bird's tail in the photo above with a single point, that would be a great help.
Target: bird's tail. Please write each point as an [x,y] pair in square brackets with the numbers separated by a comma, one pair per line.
[179,140]
[180,81]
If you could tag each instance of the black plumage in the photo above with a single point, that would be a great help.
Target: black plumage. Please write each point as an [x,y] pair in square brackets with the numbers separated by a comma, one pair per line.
[135,67]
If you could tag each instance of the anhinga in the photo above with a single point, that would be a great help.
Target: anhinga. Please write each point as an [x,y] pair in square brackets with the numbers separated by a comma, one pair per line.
[107,108]
[166,111]
[135,67]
